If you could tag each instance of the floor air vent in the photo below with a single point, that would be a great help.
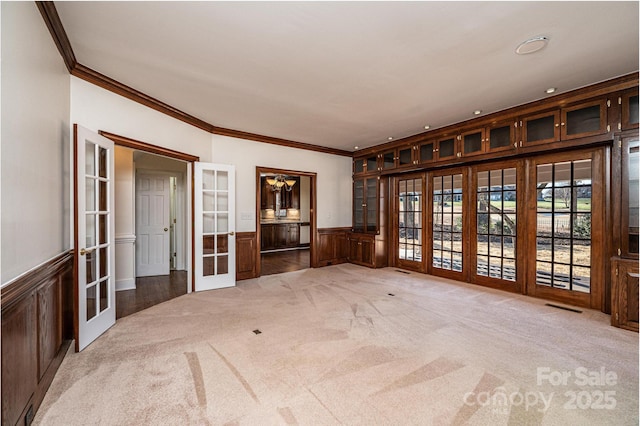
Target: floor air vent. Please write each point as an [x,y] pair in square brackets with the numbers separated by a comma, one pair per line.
[564,307]
[391,294]
[256,331]
[403,272]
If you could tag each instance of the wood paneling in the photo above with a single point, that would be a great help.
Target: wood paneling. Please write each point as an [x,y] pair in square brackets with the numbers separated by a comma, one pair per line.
[333,246]
[624,293]
[36,332]
[246,255]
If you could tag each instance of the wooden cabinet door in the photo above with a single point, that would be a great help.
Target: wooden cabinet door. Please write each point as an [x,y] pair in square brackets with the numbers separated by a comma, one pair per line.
[629,101]
[473,142]
[624,309]
[501,136]
[446,148]
[293,235]
[367,246]
[355,250]
[425,152]
[586,119]
[540,128]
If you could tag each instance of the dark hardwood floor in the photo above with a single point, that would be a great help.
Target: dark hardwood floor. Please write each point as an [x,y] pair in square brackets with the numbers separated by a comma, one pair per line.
[284,261]
[150,291]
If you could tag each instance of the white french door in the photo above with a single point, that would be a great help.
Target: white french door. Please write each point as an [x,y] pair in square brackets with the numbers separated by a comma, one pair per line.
[94,236]
[214,211]
[152,224]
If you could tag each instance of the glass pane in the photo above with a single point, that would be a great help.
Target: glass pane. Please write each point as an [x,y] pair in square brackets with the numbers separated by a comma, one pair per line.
[104,295]
[103,196]
[582,279]
[223,243]
[473,142]
[582,172]
[208,201]
[92,302]
[208,225]
[405,156]
[447,148]
[562,250]
[562,226]
[208,266]
[437,185]
[633,109]
[208,244]
[372,164]
[482,266]
[509,269]
[562,198]
[91,266]
[483,245]
[223,265]
[102,161]
[544,249]
[582,253]
[583,120]
[500,137]
[457,262]
[358,166]
[561,277]
[90,223]
[495,267]
[223,201]
[90,194]
[582,226]
[222,223]
[223,181]
[90,159]
[426,152]
[495,178]
[483,181]
[540,129]
[102,228]
[562,174]
[457,223]
[543,273]
[208,179]
[509,224]
[104,262]
[388,160]
[633,166]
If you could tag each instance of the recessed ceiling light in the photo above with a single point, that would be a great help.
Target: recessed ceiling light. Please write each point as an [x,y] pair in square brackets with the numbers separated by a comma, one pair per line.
[551,90]
[532,45]
[390,138]
[427,127]
[477,112]
[356,147]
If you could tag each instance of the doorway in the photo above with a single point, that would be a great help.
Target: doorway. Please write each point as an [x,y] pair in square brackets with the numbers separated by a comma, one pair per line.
[285,220]
[151,231]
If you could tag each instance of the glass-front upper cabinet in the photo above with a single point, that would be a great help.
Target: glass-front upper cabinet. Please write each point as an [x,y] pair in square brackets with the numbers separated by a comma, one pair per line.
[630,189]
[397,157]
[586,119]
[629,102]
[365,204]
[540,128]
[425,152]
[366,164]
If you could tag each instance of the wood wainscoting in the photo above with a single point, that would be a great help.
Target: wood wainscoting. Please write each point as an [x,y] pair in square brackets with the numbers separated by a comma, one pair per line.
[333,246]
[37,329]
[246,249]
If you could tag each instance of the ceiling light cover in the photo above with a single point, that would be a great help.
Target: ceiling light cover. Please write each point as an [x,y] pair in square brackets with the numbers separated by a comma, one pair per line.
[477,112]
[551,90]
[532,45]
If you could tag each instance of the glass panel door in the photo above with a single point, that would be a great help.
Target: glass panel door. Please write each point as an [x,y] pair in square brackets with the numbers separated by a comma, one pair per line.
[447,223]
[214,226]
[409,221]
[563,225]
[94,239]
[496,206]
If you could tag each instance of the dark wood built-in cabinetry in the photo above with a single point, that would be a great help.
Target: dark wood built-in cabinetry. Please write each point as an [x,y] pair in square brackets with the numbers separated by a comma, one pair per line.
[624,297]
[279,236]
[37,328]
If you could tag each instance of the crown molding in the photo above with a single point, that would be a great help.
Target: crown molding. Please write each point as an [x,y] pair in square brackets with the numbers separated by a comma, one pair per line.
[54,24]
[59,35]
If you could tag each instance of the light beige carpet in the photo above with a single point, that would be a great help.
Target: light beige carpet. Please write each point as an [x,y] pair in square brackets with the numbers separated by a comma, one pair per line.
[336,348]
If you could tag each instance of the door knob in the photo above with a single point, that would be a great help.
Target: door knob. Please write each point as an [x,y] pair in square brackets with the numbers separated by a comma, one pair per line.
[166,229]
[232,233]
[85,251]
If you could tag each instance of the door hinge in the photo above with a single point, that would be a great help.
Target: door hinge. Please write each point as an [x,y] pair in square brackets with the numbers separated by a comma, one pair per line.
[617,318]
[619,252]
[608,128]
[619,144]
[608,103]
[617,271]
[619,126]
[619,100]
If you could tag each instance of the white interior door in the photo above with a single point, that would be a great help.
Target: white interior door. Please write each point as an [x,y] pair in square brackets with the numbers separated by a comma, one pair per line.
[152,224]
[215,254]
[94,236]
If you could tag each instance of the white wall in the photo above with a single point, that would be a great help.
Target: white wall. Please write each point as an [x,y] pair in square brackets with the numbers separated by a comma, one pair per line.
[333,178]
[35,223]
[98,109]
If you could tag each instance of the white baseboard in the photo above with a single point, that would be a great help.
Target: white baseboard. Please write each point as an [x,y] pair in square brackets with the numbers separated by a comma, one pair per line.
[126,284]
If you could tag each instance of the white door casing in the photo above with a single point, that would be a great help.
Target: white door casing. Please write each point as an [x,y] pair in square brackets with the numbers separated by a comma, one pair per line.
[214,232]
[94,236]
[152,224]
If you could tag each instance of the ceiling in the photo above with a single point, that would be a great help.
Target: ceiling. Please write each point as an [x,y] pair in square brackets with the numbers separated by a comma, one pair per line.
[346,74]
